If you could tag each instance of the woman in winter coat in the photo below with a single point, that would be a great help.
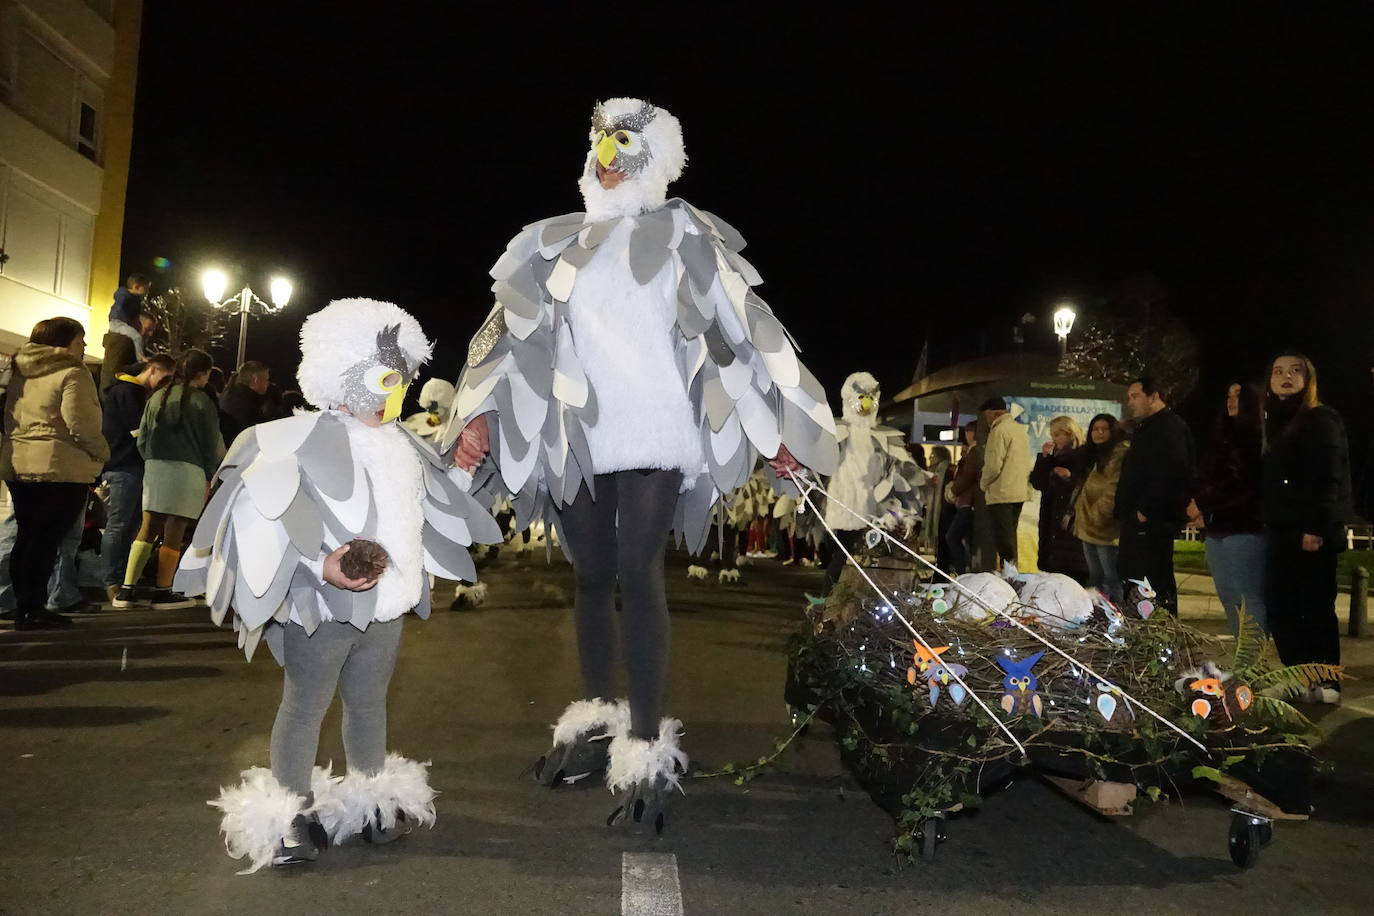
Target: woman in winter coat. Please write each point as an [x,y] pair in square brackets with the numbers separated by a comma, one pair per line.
[181,446]
[1306,503]
[962,490]
[1094,509]
[1226,504]
[1056,475]
[52,452]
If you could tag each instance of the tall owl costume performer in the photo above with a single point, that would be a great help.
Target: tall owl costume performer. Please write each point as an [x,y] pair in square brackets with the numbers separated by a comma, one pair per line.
[625,378]
[876,476]
[319,537]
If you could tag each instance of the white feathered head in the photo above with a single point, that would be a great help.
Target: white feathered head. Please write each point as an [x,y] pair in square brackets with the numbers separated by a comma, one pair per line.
[361,354]
[639,139]
[859,396]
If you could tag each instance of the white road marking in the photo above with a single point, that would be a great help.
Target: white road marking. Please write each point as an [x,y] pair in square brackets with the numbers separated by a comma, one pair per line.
[649,885]
[124,660]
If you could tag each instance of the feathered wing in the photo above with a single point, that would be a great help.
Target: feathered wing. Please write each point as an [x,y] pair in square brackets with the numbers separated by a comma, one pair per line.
[749,392]
[288,493]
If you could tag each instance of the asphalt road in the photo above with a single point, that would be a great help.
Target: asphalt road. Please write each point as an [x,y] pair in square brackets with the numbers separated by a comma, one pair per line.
[114,733]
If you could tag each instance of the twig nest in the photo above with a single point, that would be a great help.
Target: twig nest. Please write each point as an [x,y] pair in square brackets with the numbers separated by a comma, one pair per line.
[1058,601]
[991,590]
[363,559]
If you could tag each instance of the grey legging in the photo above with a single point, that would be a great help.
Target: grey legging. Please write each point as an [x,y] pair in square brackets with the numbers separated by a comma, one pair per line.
[620,537]
[356,662]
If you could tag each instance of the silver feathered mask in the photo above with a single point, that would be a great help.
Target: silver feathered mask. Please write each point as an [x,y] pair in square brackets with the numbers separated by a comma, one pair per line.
[361,354]
[642,141]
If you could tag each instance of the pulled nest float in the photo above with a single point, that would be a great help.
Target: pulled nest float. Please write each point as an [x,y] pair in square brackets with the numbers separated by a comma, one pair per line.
[1106,706]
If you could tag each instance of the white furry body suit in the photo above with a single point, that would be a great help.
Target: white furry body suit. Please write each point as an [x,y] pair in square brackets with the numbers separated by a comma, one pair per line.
[860,470]
[394,471]
[625,335]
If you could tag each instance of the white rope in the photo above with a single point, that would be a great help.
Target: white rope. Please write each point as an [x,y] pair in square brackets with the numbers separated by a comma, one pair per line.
[1002,613]
[892,604]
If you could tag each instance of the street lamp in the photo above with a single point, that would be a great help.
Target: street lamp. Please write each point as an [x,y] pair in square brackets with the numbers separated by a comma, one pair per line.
[214,282]
[1063,324]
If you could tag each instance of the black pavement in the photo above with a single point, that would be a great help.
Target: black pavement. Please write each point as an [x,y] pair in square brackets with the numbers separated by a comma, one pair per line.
[115,732]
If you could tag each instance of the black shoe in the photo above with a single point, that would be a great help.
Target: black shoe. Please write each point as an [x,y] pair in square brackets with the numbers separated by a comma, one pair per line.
[167,600]
[41,620]
[79,607]
[126,598]
[308,841]
[569,764]
[377,836]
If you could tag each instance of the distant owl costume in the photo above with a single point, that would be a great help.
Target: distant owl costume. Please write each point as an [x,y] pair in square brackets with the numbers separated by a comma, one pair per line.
[876,474]
[289,493]
[630,375]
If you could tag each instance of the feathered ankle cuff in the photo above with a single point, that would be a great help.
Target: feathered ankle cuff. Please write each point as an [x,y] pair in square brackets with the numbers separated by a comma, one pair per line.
[583,716]
[635,760]
[257,817]
[398,792]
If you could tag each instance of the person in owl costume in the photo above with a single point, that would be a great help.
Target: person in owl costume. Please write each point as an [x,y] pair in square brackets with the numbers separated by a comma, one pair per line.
[436,400]
[319,535]
[627,376]
[876,475]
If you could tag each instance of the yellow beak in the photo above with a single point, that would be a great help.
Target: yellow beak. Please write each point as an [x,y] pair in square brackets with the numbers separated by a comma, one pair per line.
[865,404]
[606,151]
[393,404]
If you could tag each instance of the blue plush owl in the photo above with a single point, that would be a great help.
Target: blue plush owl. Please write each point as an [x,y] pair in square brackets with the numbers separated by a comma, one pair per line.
[1020,698]
[941,675]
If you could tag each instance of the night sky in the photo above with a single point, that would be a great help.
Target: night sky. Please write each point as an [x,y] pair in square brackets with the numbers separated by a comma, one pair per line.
[897,179]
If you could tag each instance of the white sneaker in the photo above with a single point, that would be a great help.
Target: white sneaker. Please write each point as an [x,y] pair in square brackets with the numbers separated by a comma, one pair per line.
[1328,696]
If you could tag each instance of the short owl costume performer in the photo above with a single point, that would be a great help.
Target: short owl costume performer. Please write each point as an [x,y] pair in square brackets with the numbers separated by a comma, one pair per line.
[629,375]
[290,493]
[876,476]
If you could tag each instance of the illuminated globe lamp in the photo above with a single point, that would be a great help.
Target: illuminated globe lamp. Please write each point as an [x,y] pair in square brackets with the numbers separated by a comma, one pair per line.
[214,282]
[1063,324]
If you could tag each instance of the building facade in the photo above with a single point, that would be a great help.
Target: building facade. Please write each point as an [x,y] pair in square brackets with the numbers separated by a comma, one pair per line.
[68,70]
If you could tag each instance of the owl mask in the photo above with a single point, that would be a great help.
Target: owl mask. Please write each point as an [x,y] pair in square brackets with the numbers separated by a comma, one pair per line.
[640,140]
[361,354]
[859,397]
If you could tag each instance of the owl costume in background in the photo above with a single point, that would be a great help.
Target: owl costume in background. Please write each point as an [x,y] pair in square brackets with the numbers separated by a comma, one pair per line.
[289,493]
[876,477]
[436,400]
[629,375]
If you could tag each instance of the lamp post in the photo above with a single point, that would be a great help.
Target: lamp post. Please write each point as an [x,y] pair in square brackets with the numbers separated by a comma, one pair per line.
[214,282]
[1063,324]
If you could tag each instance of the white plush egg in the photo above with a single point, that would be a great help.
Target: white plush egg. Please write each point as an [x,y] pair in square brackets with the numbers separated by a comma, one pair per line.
[991,590]
[1058,600]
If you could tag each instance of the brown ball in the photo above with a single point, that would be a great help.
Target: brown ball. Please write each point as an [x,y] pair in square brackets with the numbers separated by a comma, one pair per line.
[363,559]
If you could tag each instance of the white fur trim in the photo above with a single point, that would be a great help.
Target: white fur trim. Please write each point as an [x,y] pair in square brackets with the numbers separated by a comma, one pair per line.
[634,760]
[472,595]
[257,816]
[582,716]
[728,575]
[697,572]
[343,334]
[398,490]
[346,805]
[623,333]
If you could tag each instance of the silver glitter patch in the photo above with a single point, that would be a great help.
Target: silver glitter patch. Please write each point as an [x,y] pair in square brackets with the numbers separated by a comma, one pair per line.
[485,339]
[635,122]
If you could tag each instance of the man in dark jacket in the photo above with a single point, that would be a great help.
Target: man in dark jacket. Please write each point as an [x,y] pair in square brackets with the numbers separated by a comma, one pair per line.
[241,404]
[123,407]
[1152,495]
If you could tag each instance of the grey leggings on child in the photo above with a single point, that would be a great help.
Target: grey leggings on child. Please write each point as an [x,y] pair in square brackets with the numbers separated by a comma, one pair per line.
[356,662]
[620,537]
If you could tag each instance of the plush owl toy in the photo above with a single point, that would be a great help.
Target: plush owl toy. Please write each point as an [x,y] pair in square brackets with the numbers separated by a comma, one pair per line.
[318,537]
[1020,685]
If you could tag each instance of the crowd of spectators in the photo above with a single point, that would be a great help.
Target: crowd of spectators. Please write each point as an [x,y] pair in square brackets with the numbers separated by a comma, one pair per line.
[119,466]
[1271,494]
